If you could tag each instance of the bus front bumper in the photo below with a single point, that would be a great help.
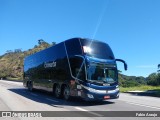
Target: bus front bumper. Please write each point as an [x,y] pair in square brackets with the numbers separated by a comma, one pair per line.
[101,95]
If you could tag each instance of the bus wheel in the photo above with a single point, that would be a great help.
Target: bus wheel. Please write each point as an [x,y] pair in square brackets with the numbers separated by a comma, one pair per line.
[30,86]
[57,91]
[66,93]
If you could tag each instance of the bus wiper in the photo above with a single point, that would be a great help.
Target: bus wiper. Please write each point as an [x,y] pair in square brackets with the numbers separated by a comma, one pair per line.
[95,81]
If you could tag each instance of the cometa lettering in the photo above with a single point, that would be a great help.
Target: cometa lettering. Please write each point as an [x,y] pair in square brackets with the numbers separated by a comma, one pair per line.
[50,65]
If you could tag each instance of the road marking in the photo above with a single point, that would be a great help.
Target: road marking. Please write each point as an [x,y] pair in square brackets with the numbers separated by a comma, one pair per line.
[142,105]
[81,109]
[93,113]
[51,100]
[34,94]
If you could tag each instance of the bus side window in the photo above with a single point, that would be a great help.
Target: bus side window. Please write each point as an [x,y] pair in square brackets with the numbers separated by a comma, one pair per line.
[77,68]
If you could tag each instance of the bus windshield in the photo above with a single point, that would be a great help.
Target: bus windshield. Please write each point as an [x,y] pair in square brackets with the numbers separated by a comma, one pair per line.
[101,73]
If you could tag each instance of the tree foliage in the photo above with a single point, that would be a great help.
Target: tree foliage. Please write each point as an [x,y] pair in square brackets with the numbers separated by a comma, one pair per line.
[11,63]
[131,81]
[153,79]
[158,68]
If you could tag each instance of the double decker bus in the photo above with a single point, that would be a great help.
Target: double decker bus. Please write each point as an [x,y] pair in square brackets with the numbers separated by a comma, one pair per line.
[77,67]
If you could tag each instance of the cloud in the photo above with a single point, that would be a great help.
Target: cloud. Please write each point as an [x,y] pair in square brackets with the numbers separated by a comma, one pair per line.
[146,66]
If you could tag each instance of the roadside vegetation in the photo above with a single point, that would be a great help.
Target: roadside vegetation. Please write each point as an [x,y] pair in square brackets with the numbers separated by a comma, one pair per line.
[11,63]
[132,83]
[149,90]
[140,88]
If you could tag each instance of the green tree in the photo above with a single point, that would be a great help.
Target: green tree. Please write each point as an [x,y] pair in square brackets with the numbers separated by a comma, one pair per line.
[152,79]
[158,78]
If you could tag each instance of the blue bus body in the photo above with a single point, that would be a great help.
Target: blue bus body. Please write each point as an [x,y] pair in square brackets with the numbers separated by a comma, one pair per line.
[74,68]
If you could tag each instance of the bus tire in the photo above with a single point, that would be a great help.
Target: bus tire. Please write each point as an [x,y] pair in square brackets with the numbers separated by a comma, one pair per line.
[30,86]
[57,91]
[66,93]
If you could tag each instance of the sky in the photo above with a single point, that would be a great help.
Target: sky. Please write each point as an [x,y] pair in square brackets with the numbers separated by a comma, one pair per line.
[130,27]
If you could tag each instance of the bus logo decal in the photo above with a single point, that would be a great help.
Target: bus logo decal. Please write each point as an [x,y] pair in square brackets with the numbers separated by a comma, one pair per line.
[49,65]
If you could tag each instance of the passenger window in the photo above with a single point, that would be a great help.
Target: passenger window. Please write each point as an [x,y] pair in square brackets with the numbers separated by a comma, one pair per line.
[77,67]
[73,47]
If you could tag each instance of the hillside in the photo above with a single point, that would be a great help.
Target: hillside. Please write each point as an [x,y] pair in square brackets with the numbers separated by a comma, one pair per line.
[130,81]
[11,63]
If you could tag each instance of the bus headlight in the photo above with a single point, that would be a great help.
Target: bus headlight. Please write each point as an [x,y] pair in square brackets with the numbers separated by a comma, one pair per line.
[101,91]
[94,90]
[90,96]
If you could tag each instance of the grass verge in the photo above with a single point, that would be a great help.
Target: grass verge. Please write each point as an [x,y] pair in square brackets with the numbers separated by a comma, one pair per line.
[14,79]
[143,88]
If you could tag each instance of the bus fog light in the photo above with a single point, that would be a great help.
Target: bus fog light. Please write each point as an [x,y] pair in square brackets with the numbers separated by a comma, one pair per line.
[90,96]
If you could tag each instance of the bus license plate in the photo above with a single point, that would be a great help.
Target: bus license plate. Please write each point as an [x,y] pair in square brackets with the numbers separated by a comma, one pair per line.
[106,97]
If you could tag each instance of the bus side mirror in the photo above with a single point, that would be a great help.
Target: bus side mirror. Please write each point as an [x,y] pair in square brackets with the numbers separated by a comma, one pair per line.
[125,64]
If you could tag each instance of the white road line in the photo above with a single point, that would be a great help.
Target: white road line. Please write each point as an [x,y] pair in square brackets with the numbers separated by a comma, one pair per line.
[51,100]
[81,109]
[34,94]
[93,113]
[142,105]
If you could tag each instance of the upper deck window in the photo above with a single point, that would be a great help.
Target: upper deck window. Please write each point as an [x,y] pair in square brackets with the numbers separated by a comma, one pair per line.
[73,47]
[97,49]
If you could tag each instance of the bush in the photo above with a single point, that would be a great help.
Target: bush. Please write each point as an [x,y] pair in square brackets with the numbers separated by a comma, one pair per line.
[153,79]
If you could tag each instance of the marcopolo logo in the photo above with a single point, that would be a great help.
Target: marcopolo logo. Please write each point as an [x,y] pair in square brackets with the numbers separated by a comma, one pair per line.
[49,64]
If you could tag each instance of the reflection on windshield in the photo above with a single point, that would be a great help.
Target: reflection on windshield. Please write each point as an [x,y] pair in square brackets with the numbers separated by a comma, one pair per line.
[97,49]
[99,72]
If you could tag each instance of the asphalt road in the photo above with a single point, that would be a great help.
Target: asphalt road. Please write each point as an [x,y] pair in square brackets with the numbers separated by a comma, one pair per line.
[14,97]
